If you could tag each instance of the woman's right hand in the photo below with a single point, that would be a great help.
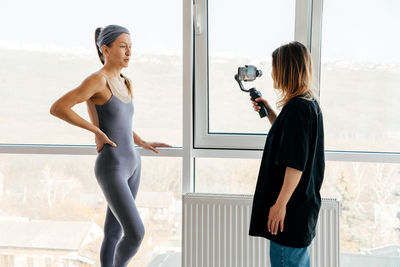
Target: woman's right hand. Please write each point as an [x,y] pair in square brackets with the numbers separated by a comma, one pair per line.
[256,107]
[101,139]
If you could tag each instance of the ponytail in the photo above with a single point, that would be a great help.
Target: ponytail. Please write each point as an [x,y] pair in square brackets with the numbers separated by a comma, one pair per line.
[98,49]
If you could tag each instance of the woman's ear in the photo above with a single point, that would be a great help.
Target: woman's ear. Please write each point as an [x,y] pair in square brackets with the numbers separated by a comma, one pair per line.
[104,49]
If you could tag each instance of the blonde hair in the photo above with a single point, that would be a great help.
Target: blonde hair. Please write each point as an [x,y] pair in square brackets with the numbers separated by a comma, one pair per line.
[292,72]
[102,60]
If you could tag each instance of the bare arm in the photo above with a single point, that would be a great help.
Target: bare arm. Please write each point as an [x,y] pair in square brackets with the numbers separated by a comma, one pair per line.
[151,146]
[277,212]
[290,182]
[137,139]
[62,108]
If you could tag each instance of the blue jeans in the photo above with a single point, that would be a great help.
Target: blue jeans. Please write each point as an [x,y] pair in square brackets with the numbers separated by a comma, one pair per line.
[282,256]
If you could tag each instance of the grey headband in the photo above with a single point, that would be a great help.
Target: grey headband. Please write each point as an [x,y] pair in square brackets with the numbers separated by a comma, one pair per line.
[109,34]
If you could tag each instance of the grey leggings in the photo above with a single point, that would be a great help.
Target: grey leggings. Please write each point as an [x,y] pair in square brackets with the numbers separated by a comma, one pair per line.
[122,216]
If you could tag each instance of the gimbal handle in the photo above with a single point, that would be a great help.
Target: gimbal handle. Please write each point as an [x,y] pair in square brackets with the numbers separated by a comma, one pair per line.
[254,94]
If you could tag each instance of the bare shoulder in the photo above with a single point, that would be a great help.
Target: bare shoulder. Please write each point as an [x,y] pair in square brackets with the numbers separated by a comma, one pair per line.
[96,78]
[92,84]
[90,87]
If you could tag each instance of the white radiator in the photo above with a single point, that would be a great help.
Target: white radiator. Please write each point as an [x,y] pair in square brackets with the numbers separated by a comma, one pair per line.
[215,233]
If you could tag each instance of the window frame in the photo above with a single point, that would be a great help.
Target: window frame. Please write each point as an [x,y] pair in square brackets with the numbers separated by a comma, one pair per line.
[305,32]
[190,130]
[189,151]
[197,142]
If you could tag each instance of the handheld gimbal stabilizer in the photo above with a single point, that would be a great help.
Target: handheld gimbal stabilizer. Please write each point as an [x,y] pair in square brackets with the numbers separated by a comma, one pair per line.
[249,73]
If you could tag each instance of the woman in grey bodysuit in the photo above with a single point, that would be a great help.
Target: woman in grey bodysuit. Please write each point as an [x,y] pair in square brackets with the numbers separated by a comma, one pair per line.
[108,95]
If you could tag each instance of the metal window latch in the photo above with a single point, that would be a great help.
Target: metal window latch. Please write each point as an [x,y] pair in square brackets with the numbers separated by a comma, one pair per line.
[197,19]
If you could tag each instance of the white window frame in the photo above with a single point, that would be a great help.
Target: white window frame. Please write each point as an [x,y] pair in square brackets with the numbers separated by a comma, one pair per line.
[189,151]
[191,29]
[305,32]
[192,130]
[197,142]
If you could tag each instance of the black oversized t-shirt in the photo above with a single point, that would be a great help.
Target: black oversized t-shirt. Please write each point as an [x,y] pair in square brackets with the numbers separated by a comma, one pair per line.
[296,139]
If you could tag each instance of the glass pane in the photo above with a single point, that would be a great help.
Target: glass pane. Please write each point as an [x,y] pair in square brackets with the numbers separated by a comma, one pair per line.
[53,54]
[243,34]
[360,75]
[369,194]
[56,192]
[227,176]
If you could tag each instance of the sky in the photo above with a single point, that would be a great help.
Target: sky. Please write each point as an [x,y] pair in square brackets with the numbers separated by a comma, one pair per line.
[356,30]
[155,26]
[361,30]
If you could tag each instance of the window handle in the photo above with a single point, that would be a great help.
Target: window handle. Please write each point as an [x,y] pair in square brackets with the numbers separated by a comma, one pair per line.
[197,18]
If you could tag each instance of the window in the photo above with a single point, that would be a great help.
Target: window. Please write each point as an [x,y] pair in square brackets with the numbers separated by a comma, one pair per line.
[226,38]
[53,54]
[369,194]
[228,176]
[356,69]
[360,73]
[59,192]
[49,56]
[243,34]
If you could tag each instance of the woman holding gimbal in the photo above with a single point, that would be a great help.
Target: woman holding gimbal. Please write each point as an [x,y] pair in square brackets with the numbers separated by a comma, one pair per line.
[287,199]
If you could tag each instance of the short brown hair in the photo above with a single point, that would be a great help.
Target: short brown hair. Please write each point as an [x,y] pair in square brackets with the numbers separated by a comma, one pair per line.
[292,71]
